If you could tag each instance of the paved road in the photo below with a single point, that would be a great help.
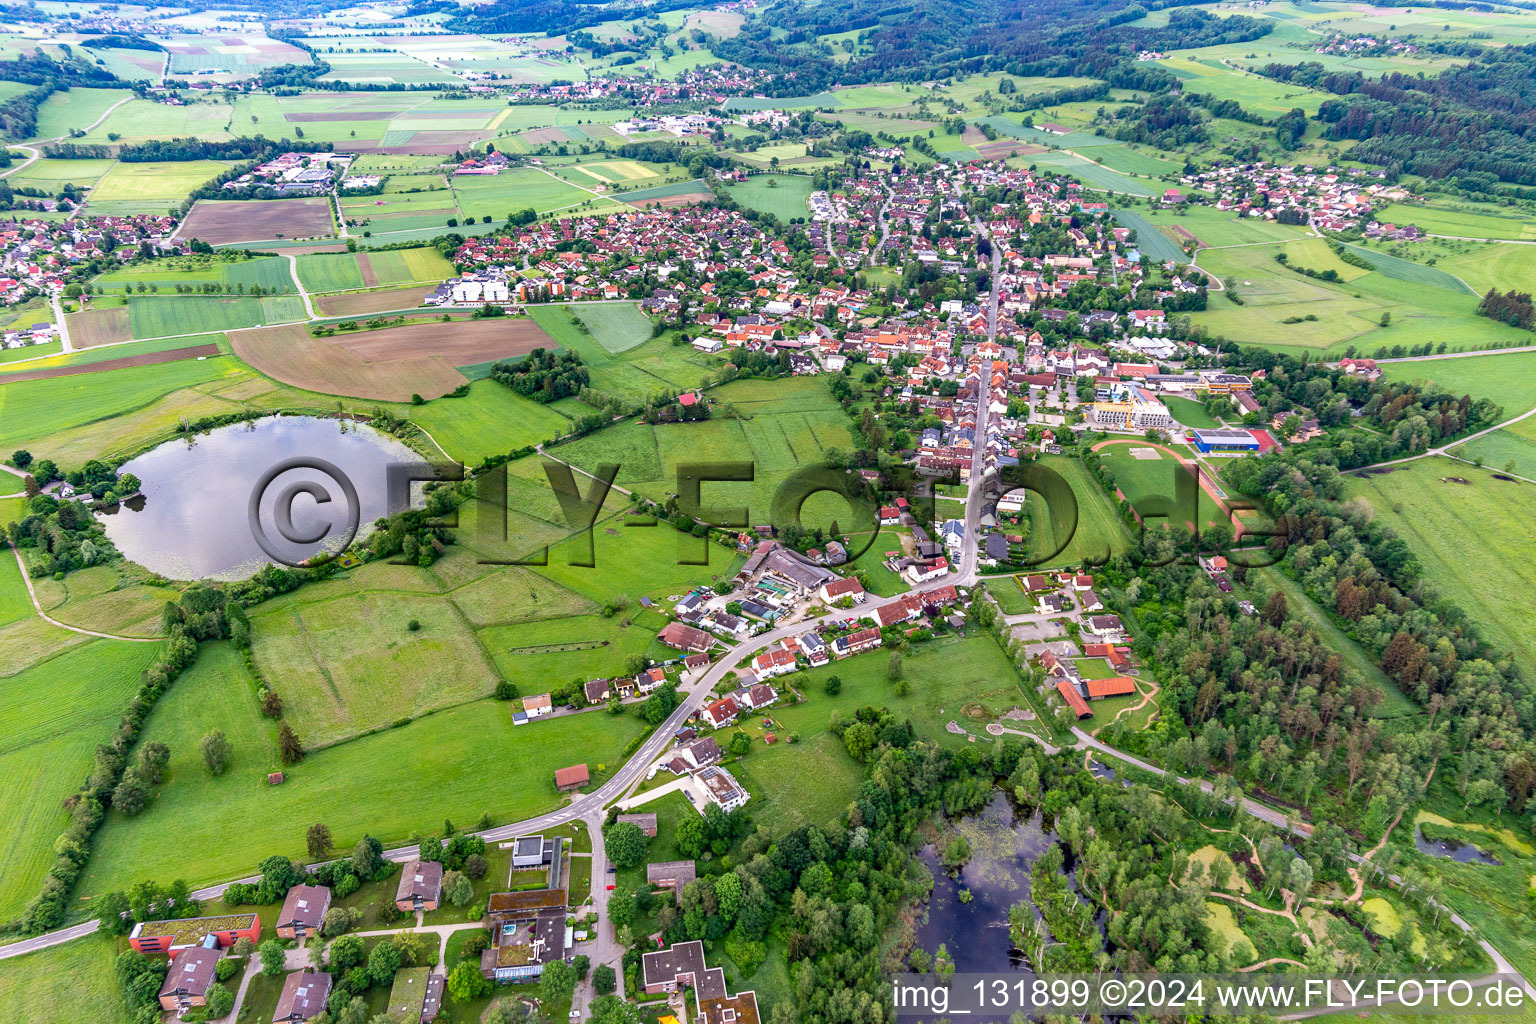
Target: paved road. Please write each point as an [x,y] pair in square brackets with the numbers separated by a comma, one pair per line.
[1460,355]
[1445,448]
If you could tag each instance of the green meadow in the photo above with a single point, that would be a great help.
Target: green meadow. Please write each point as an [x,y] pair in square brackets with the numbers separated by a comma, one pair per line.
[460,763]
[1443,509]
[1509,379]
[782,195]
[491,420]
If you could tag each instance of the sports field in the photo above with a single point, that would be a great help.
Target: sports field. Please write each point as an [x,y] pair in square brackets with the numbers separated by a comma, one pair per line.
[1099,531]
[1445,509]
[1151,485]
[782,195]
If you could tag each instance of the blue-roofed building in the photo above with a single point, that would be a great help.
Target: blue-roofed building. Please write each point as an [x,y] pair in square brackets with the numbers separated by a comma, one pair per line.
[1226,439]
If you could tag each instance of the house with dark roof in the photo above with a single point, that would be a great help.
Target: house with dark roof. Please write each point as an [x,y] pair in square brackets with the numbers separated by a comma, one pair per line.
[191,974]
[421,886]
[646,823]
[528,930]
[685,638]
[681,968]
[304,996]
[303,910]
[670,874]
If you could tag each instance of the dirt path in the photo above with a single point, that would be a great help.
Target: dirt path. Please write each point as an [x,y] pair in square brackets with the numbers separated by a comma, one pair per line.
[64,625]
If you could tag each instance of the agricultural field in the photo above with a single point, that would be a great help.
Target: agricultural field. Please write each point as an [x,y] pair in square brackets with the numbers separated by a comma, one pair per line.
[56,711]
[164,316]
[1443,509]
[783,195]
[149,188]
[475,761]
[37,412]
[632,375]
[345,271]
[779,426]
[491,420]
[75,110]
[222,222]
[228,273]
[391,363]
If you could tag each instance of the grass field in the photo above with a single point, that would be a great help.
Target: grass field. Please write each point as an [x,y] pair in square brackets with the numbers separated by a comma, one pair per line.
[1155,245]
[491,420]
[1508,379]
[633,375]
[71,981]
[782,195]
[1099,532]
[617,326]
[783,425]
[1443,520]
[1464,220]
[1277,300]
[64,112]
[55,713]
[345,271]
[338,681]
[1218,228]
[35,412]
[461,763]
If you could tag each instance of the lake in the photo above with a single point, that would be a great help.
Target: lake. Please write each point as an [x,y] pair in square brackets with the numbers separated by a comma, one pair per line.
[194,522]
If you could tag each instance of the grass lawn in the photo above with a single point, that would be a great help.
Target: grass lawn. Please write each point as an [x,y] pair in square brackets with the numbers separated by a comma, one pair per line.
[1442,520]
[107,598]
[74,981]
[783,195]
[805,783]
[55,713]
[459,764]
[1099,531]
[491,420]
[1190,413]
[1009,595]
[1508,379]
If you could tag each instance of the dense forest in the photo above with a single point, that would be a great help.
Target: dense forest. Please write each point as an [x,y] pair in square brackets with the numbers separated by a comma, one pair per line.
[1476,121]
[917,40]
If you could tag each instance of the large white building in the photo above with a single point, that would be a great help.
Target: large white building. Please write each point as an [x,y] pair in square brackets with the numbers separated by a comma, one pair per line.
[1130,408]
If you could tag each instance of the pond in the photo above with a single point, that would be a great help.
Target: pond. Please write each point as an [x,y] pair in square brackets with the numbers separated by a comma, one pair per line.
[1004,847]
[1462,853]
[193,520]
